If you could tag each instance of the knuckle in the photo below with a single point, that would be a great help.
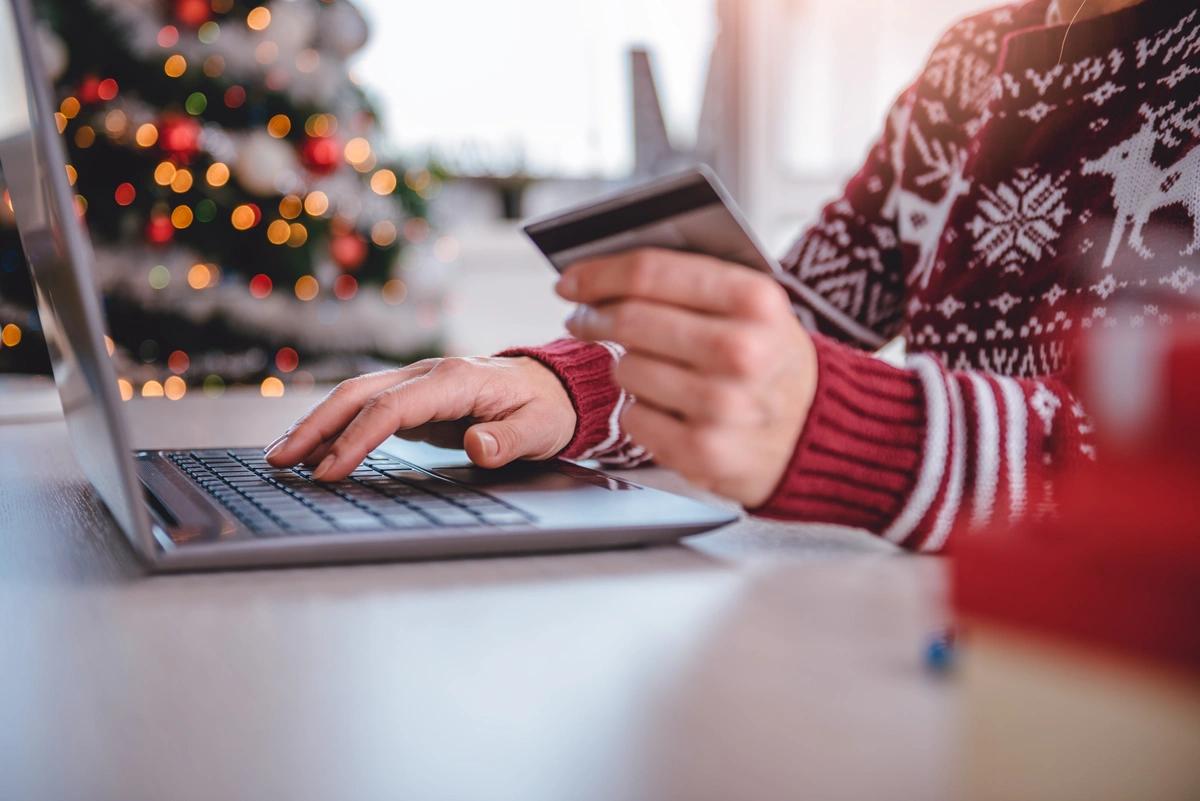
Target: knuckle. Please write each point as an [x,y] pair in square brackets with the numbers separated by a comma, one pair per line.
[761,296]
[625,318]
[642,271]
[742,351]
[385,403]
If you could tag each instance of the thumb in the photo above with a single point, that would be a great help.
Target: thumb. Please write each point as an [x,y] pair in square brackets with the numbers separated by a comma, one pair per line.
[496,443]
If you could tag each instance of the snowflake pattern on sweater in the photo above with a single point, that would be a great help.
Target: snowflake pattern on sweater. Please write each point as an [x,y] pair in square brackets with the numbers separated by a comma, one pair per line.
[1004,209]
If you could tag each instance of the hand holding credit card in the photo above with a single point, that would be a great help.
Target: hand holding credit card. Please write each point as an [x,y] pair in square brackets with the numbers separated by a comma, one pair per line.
[722,371]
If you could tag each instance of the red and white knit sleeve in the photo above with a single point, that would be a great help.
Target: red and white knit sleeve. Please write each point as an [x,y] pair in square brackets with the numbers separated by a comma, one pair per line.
[845,273]
[916,453]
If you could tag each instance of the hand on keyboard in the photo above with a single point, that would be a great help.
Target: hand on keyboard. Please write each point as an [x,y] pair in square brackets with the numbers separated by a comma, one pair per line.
[498,409]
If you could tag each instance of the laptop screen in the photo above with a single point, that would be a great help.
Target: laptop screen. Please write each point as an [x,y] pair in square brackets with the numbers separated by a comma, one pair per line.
[60,258]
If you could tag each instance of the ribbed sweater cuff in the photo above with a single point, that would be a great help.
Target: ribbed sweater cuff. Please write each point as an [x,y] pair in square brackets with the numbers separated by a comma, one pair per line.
[855,461]
[585,369]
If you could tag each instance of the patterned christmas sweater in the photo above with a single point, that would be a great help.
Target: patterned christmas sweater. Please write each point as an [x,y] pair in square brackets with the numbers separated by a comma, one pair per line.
[1005,209]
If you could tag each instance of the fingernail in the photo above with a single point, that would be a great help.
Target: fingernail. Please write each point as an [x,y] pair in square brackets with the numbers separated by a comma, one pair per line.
[324,467]
[489,444]
[274,446]
[566,286]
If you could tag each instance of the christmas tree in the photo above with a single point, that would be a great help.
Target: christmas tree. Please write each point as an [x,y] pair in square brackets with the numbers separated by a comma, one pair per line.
[227,166]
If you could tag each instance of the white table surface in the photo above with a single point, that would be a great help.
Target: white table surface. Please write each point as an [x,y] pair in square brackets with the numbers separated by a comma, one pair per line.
[764,661]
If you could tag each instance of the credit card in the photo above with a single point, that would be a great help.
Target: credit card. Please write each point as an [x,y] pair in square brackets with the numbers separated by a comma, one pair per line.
[688,211]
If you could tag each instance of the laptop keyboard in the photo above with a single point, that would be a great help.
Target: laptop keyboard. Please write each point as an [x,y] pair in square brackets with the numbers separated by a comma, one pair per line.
[384,493]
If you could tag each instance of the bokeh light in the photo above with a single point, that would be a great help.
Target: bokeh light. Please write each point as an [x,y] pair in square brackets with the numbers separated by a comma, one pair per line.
[290,207]
[307,288]
[164,173]
[147,135]
[279,126]
[199,276]
[125,194]
[178,362]
[316,204]
[259,18]
[182,217]
[174,387]
[287,359]
[261,286]
[394,292]
[383,182]
[159,277]
[175,66]
[279,232]
[125,388]
[213,386]
[182,181]
[345,287]
[217,174]
[10,335]
[271,387]
[152,389]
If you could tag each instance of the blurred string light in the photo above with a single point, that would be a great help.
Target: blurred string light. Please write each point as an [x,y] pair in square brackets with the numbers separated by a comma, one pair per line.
[394,292]
[164,173]
[152,389]
[174,387]
[260,286]
[10,335]
[72,177]
[213,386]
[181,181]
[85,137]
[209,32]
[125,388]
[259,18]
[182,217]
[69,107]
[345,287]
[271,387]
[125,194]
[279,232]
[383,233]
[147,135]
[299,236]
[279,126]
[217,174]
[287,359]
[168,36]
[290,207]
[178,362]
[316,203]
[159,277]
[306,288]
[383,182]
[175,66]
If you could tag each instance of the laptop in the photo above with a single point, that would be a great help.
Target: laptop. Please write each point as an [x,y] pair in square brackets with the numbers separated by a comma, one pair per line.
[226,507]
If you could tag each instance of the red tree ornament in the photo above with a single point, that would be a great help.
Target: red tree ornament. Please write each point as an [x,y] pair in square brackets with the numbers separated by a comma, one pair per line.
[159,230]
[321,154]
[192,13]
[179,137]
[348,250]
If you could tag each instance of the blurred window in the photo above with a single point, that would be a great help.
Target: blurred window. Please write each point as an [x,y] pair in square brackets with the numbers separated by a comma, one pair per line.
[540,86]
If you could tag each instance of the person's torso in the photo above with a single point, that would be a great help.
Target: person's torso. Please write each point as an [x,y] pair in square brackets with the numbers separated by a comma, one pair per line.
[1039,198]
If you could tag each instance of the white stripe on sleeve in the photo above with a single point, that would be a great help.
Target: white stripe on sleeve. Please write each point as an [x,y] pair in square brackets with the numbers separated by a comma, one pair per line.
[987,446]
[1016,421]
[937,435]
